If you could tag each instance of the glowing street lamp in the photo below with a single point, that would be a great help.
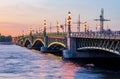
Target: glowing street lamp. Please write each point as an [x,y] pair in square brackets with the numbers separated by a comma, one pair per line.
[58,27]
[31,36]
[44,25]
[22,32]
[69,21]
[45,37]
[85,27]
[30,31]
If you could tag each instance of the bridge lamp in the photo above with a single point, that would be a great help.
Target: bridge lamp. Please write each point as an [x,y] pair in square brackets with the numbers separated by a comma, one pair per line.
[44,25]
[69,21]
[85,27]
[44,30]
[22,32]
[30,30]
[58,27]
[99,27]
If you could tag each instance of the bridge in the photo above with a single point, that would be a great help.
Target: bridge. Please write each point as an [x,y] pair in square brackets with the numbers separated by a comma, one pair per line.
[77,44]
[74,44]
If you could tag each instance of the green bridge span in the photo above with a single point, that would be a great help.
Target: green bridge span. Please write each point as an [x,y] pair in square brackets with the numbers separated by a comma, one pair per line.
[75,45]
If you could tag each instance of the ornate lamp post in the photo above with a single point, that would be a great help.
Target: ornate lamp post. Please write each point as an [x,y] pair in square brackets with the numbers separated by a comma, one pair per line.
[23,33]
[30,31]
[31,34]
[85,27]
[69,23]
[45,37]
[44,32]
[44,48]
[58,27]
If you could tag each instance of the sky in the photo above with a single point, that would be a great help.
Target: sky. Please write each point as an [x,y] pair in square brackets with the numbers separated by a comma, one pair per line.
[18,16]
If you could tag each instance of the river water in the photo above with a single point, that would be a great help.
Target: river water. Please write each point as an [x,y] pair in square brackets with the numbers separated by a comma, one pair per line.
[20,63]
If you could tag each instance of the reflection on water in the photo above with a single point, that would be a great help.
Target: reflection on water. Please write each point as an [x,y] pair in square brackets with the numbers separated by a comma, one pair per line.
[20,63]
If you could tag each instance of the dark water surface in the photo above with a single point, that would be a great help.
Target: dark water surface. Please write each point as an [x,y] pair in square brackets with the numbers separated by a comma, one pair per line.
[20,63]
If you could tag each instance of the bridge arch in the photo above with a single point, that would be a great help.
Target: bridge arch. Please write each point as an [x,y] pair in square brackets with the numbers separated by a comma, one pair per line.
[37,44]
[102,51]
[56,46]
[19,42]
[27,42]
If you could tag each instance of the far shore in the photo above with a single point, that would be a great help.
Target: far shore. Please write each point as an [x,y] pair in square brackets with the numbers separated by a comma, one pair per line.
[6,43]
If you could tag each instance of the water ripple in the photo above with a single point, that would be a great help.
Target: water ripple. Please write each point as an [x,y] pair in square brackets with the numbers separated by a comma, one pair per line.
[20,63]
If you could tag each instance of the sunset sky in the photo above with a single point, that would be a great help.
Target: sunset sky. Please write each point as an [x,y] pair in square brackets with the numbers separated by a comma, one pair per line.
[19,15]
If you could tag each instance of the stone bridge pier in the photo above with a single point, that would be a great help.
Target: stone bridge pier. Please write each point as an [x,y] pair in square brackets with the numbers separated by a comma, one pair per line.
[71,48]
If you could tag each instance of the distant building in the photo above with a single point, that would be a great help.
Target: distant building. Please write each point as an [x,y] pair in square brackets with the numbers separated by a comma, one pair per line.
[14,39]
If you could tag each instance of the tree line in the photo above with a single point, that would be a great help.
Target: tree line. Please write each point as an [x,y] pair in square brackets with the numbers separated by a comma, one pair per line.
[5,38]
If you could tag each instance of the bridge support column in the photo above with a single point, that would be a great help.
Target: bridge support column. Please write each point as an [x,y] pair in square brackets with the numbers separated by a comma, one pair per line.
[44,48]
[29,46]
[71,48]
[67,53]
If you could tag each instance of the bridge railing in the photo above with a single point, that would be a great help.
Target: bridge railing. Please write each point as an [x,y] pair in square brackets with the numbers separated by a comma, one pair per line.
[56,34]
[79,34]
[51,34]
[95,35]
